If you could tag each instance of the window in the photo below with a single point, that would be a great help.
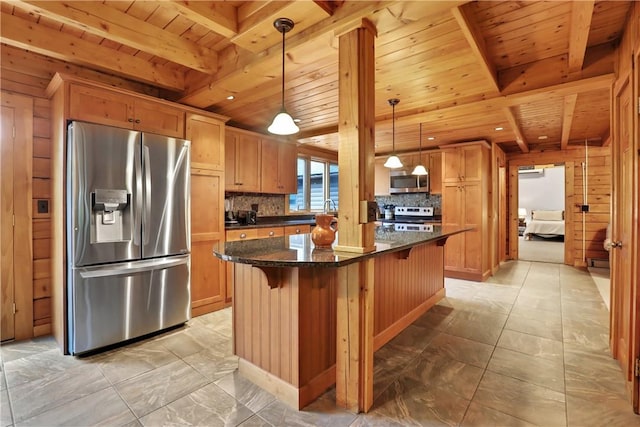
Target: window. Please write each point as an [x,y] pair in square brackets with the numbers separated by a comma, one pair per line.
[317,182]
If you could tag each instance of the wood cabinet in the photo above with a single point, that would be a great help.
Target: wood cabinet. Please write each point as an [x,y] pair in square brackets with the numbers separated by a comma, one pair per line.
[103,106]
[297,229]
[242,161]
[208,273]
[464,163]
[206,135]
[433,161]
[278,167]
[381,178]
[466,203]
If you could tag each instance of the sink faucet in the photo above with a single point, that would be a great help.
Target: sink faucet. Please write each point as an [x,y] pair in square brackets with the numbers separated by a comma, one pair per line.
[328,203]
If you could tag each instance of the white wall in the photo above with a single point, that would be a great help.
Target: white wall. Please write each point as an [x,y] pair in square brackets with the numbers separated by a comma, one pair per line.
[542,192]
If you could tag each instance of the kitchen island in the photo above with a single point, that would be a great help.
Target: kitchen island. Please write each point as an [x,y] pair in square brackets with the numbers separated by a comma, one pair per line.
[285,303]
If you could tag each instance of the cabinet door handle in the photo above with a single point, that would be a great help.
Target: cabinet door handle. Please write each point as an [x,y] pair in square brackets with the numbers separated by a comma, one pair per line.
[130,120]
[137,120]
[297,231]
[243,235]
[617,244]
[271,233]
[238,183]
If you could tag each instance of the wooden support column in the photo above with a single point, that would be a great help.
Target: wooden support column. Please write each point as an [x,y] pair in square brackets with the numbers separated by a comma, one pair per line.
[356,126]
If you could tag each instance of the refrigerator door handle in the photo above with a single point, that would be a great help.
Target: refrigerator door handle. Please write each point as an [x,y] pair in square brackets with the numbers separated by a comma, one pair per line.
[146,219]
[133,267]
[137,199]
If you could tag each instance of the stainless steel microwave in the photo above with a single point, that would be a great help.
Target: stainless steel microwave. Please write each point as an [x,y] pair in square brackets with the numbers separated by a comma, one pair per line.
[403,182]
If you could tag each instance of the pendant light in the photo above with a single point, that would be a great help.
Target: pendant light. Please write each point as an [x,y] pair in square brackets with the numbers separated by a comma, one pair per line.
[393,162]
[420,170]
[282,123]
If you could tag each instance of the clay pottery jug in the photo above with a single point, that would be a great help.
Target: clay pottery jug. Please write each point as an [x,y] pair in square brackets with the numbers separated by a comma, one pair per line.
[323,234]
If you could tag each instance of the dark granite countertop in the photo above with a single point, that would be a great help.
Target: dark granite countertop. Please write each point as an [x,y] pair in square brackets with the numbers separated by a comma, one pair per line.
[275,221]
[299,251]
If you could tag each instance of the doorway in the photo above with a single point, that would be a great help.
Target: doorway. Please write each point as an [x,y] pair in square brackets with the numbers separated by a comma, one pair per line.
[16,267]
[541,207]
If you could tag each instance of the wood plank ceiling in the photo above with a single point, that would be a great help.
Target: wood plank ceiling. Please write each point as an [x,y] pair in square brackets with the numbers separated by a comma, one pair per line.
[540,70]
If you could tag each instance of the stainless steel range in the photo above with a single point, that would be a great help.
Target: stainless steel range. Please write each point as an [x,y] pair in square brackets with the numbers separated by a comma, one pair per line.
[412,218]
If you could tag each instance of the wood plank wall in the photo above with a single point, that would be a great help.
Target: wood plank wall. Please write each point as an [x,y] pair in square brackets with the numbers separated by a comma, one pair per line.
[598,191]
[28,74]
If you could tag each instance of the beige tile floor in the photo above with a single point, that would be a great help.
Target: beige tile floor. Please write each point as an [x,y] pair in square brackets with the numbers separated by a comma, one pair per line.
[528,347]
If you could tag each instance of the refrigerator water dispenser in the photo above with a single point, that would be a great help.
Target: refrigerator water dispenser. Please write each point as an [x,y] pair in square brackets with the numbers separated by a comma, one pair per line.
[110,223]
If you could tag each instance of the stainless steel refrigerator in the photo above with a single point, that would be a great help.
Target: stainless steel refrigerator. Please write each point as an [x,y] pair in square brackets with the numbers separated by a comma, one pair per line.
[128,235]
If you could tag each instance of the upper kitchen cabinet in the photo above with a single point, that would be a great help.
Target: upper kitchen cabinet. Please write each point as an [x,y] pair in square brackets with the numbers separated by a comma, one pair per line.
[278,175]
[381,177]
[207,136]
[242,161]
[103,106]
[462,163]
[433,162]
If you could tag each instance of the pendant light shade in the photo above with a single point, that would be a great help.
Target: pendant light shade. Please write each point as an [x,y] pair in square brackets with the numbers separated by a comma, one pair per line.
[419,169]
[283,123]
[393,162]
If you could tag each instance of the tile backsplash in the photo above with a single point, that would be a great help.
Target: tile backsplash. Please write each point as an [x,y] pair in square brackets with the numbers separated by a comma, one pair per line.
[273,204]
[268,204]
[415,199]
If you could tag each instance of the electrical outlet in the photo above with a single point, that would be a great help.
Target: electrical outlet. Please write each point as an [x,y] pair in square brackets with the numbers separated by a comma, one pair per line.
[43,206]
[584,208]
[368,211]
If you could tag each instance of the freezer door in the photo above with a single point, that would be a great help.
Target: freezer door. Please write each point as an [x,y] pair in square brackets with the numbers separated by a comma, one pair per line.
[166,216]
[104,194]
[114,303]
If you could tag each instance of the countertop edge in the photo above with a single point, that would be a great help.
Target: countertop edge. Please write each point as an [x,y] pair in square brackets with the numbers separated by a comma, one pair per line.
[334,264]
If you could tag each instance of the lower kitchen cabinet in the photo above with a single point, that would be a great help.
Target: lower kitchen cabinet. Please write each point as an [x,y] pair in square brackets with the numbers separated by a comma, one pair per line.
[208,281]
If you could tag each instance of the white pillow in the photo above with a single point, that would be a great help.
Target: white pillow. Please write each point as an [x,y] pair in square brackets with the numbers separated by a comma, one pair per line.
[548,215]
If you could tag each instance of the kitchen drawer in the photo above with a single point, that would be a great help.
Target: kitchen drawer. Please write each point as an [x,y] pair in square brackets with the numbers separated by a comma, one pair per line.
[244,234]
[270,232]
[297,229]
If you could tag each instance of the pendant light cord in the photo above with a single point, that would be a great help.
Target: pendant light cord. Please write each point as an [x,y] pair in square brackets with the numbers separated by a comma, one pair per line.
[283,33]
[393,129]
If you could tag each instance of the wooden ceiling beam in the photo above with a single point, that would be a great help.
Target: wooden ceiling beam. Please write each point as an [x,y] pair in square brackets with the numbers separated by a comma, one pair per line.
[37,38]
[581,13]
[477,43]
[217,16]
[568,109]
[269,12]
[515,126]
[203,92]
[487,106]
[112,24]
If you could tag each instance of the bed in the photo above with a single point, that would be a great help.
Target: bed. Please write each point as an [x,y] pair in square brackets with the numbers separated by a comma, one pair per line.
[545,224]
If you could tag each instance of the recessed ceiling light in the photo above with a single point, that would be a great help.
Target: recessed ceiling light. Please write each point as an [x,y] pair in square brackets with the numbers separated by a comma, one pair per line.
[499,128]
[543,137]
[431,138]
[231,97]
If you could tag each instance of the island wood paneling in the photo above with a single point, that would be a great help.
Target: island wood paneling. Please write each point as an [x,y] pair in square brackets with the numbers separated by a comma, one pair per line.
[287,334]
[405,288]
[289,330]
